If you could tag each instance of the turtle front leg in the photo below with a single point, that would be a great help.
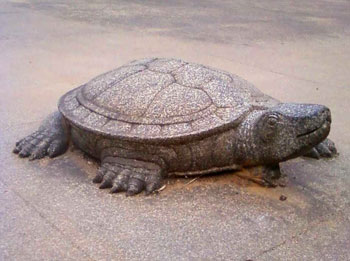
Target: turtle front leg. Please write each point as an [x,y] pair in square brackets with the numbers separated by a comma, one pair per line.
[50,139]
[325,149]
[267,176]
[129,175]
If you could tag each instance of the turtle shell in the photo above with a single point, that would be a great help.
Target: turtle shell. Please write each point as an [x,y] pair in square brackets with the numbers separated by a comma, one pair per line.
[160,100]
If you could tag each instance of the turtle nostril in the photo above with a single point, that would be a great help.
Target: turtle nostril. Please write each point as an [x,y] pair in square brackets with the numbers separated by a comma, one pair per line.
[326,114]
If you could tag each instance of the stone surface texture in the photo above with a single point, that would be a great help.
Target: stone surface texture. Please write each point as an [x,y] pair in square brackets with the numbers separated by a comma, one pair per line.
[294,52]
[152,103]
[155,95]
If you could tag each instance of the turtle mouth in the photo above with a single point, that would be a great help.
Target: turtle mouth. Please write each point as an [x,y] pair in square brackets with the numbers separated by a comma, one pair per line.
[319,131]
[309,132]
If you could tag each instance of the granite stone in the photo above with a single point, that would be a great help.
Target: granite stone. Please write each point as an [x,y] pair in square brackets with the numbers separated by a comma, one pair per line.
[158,117]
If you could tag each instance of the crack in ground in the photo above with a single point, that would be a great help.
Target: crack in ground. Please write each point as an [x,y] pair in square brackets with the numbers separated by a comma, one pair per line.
[304,231]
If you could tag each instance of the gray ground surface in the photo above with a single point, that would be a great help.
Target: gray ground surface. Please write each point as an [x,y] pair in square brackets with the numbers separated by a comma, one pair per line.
[50,210]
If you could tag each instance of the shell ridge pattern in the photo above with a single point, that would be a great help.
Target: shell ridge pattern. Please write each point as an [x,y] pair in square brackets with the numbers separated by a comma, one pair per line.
[201,89]
[105,107]
[168,111]
[118,81]
[170,72]
[175,101]
[113,82]
[155,97]
[165,65]
[157,94]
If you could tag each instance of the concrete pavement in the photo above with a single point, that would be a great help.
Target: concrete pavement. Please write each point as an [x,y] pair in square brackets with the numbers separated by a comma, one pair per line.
[50,210]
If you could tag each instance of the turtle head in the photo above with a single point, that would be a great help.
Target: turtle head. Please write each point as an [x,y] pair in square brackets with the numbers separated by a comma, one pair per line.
[288,130]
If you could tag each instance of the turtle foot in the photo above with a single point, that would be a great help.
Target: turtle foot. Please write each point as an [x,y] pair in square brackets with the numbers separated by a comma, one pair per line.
[326,149]
[266,176]
[128,178]
[50,140]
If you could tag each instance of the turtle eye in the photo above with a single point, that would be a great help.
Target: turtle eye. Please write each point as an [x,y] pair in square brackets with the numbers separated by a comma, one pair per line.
[272,120]
[269,127]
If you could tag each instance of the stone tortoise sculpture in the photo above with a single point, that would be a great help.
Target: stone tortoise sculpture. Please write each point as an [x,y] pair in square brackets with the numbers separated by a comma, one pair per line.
[157,117]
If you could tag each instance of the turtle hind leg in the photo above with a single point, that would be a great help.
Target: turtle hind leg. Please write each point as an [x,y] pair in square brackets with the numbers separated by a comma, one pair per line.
[128,175]
[51,139]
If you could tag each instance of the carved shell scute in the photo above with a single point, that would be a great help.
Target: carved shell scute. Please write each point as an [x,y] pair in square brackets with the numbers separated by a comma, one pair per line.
[161,99]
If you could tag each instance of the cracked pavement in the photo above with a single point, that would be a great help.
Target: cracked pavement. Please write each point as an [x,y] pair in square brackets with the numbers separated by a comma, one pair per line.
[51,210]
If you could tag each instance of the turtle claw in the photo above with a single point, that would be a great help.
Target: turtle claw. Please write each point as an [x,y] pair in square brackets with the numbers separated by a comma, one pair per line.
[116,189]
[55,148]
[105,184]
[16,150]
[23,154]
[325,149]
[51,139]
[97,179]
[126,179]
[120,183]
[132,192]
[107,181]
[99,176]
[153,183]
[313,153]
[37,146]
[152,187]
[135,186]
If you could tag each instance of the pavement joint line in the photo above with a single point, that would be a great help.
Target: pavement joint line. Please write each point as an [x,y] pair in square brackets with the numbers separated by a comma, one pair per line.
[46,220]
[271,71]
